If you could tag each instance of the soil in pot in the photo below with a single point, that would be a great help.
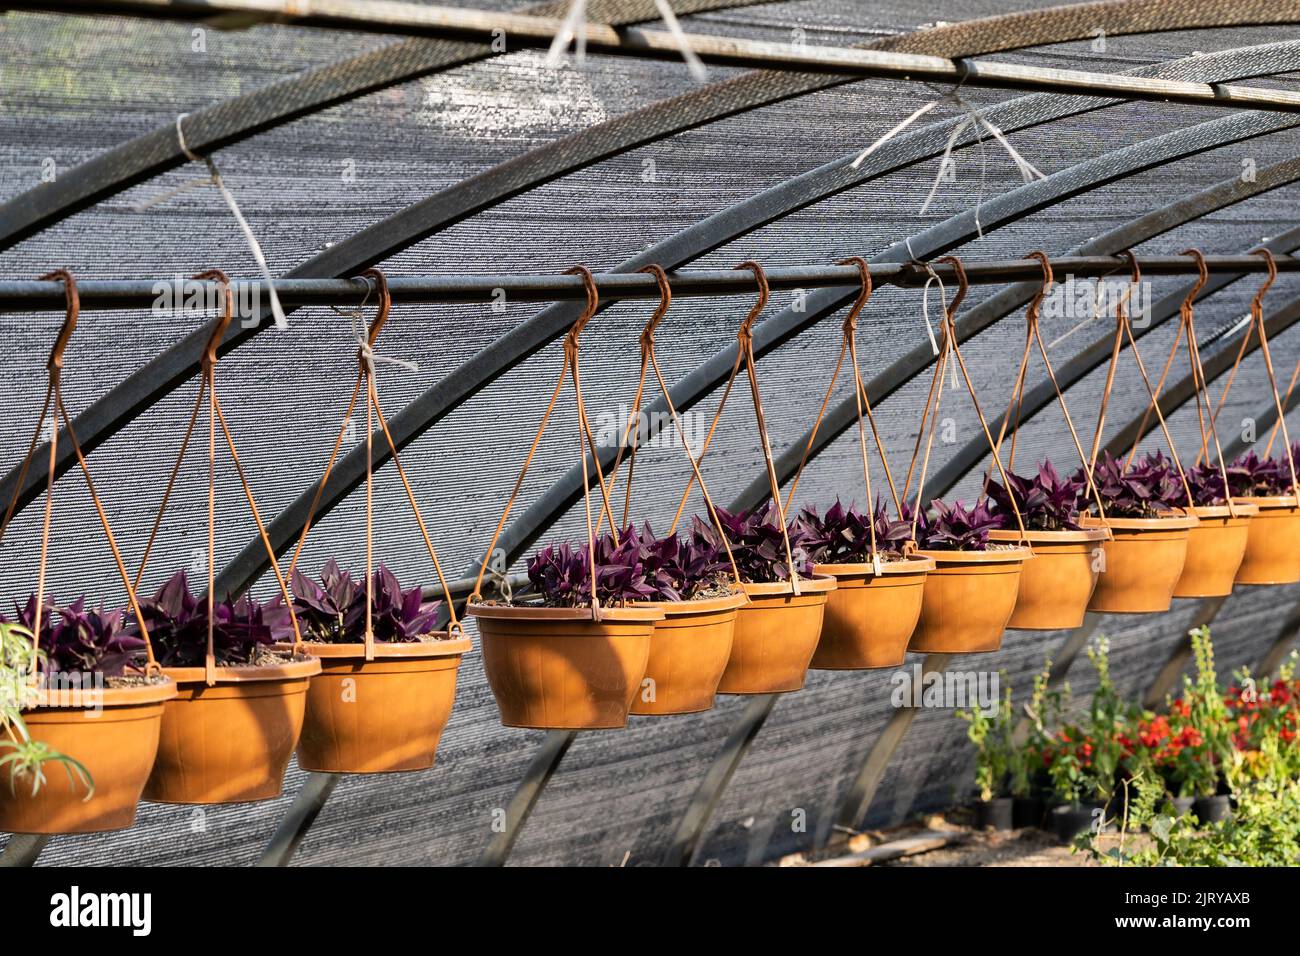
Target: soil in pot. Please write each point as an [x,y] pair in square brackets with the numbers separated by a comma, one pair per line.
[968,599]
[1213,809]
[1027,812]
[870,617]
[1143,562]
[230,742]
[1271,553]
[383,715]
[557,669]
[776,635]
[995,814]
[1057,584]
[1071,819]
[1215,550]
[116,744]
[689,650]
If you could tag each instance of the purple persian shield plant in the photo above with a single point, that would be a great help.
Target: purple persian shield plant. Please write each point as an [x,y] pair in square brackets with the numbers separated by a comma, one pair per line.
[177,622]
[560,574]
[843,536]
[1206,483]
[682,568]
[1047,501]
[757,543]
[954,527]
[334,611]
[81,640]
[1145,490]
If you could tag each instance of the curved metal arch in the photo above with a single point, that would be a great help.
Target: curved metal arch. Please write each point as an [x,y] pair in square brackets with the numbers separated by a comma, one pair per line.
[166,372]
[241,117]
[712,232]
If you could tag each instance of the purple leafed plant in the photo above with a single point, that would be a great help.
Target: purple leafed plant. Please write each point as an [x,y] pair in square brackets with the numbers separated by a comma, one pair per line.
[682,568]
[560,574]
[757,543]
[1206,483]
[1264,477]
[1146,490]
[954,527]
[81,640]
[334,611]
[843,536]
[177,623]
[1047,501]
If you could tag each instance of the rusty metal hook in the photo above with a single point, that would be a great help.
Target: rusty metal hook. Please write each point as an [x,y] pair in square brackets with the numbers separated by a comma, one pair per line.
[593,303]
[55,363]
[864,275]
[665,301]
[227,313]
[747,327]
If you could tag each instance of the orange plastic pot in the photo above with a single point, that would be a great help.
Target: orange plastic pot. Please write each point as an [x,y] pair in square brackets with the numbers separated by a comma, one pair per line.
[776,635]
[113,733]
[968,599]
[688,653]
[1215,549]
[1273,542]
[383,715]
[1056,586]
[870,617]
[1143,561]
[557,669]
[231,742]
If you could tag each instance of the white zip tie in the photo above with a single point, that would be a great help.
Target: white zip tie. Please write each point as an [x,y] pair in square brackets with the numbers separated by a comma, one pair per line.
[570,33]
[675,28]
[925,304]
[280,321]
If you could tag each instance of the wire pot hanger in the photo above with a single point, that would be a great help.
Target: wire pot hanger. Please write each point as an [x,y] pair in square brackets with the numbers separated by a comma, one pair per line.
[631,439]
[1200,387]
[745,358]
[208,386]
[1034,336]
[54,400]
[949,351]
[586,443]
[848,344]
[1256,326]
[1123,332]
[375,279]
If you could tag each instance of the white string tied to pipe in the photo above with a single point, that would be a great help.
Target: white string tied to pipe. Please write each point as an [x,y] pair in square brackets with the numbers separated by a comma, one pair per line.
[214,177]
[573,29]
[367,351]
[925,304]
[675,28]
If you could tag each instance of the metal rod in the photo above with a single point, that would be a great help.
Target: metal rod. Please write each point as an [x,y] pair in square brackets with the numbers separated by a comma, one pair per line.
[520,30]
[23,849]
[177,292]
[307,805]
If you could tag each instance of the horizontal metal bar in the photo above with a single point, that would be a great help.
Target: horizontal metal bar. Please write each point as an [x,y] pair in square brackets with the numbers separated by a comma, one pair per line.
[105,294]
[521,30]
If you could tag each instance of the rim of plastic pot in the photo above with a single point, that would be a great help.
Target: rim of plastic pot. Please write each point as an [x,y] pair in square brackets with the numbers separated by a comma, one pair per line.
[305,666]
[816,584]
[1267,502]
[909,565]
[631,614]
[442,647]
[1244,509]
[735,598]
[996,556]
[1052,537]
[151,693]
[1178,520]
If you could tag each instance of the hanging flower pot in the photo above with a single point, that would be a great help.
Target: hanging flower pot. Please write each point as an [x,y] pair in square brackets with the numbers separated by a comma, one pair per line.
[776,636]
[229,741]
[388,671]
[1272,555]
[1143,562]
[228,734]
[1216,547]
[970,594]
[689,650]
[556,668]
[870,617]
[82,696]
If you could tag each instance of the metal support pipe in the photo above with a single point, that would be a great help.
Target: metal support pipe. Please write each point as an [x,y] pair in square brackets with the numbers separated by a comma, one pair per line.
[21,295]
[521,30]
